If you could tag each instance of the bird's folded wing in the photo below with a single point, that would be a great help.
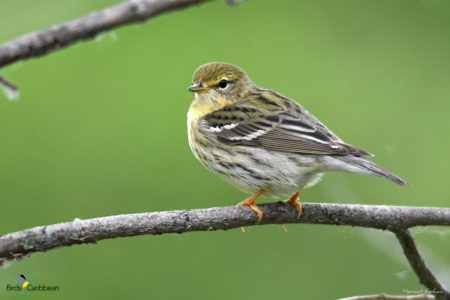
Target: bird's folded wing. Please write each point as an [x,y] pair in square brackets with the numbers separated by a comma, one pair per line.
[279,131]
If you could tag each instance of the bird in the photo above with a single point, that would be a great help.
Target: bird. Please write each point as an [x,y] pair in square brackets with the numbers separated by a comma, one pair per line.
[263,142]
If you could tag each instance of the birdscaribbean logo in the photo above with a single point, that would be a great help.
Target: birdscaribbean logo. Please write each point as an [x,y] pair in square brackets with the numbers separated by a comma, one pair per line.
[25,285]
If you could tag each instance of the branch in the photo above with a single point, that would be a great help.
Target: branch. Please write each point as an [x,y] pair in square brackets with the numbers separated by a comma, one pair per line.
[416,261]
[40,42]
[43,238]
[390,297]
[8,84]
[395,218]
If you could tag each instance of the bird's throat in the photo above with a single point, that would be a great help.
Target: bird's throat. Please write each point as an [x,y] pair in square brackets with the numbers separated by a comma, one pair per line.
[204,104]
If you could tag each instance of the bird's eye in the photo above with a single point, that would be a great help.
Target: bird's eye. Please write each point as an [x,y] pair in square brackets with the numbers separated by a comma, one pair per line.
[223,84]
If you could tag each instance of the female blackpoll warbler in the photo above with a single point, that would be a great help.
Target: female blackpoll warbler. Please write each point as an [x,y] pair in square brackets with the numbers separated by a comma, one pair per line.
[263,142]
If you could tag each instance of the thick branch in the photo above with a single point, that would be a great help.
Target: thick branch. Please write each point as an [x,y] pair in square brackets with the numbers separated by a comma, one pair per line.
[43,238]
[394,218]
[58,36]
[416,261]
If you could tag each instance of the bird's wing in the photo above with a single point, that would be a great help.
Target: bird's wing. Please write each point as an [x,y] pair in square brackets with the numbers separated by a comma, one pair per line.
[295,131]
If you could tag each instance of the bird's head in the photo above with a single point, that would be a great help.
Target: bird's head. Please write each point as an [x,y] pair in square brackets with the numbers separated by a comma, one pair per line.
[219,84]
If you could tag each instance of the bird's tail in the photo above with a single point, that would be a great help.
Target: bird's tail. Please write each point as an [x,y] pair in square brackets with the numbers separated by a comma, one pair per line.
[377,170]
[365,166]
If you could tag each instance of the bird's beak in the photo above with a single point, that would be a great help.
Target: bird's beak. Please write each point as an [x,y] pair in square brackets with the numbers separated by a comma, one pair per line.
[198,88]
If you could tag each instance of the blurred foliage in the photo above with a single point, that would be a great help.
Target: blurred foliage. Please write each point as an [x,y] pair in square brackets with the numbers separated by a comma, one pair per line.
[100,129]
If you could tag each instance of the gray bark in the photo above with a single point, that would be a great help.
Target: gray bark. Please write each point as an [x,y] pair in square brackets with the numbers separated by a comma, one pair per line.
[426,277]
[44,238]
[394,218]
[40,42]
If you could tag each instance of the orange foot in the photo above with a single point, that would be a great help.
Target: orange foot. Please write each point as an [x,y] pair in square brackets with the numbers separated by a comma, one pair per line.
[250,201]
[293,201]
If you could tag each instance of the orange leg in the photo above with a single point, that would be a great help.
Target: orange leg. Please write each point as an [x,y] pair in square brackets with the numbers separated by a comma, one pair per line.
[293,201]
[250,201]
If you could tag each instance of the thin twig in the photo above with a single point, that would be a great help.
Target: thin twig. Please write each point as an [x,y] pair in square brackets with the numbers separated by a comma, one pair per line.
[8,84]
[62,35]
[390,297]
[417,263]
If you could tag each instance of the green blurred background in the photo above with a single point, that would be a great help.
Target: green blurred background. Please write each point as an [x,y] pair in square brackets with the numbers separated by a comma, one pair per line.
[100,129]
